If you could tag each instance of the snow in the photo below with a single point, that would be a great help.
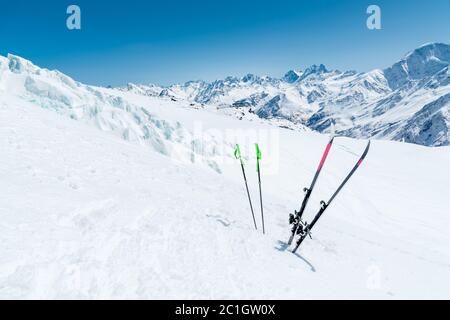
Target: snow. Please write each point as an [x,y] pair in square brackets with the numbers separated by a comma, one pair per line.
[114,194]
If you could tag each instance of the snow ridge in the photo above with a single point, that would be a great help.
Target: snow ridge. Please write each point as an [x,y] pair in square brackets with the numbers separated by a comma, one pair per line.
[22,83]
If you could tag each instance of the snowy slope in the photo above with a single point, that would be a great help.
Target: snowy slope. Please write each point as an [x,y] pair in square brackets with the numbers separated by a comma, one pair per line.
[392,104]
[113,194]
[418,109]
[22,82]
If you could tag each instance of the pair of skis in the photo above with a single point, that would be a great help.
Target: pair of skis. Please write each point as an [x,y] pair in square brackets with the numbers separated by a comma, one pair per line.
[303,229]
[237,154]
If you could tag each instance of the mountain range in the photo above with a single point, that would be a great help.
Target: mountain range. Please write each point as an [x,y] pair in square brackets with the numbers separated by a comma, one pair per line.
[408,101]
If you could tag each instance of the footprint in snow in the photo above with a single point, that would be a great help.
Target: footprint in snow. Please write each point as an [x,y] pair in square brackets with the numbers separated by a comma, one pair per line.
[223,221]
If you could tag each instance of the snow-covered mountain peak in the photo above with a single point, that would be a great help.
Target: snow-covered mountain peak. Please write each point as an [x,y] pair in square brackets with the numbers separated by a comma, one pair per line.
[313,70]
[423,62]
[291,76]
[430,49]
[146,90]
[192,83]
[250,78]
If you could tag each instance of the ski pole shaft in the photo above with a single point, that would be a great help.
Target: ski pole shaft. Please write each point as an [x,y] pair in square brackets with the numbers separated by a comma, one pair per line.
[258,169]
[261,202]
[248,194]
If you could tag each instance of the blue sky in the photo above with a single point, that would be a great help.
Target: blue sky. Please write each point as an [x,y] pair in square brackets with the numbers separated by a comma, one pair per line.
[174,41]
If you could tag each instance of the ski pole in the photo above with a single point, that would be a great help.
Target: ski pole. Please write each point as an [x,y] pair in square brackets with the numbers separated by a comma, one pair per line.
[237,154]
[258,157]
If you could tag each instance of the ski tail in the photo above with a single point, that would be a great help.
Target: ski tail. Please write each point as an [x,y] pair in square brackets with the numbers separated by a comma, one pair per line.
[324,205]
[291,237]
[308,191]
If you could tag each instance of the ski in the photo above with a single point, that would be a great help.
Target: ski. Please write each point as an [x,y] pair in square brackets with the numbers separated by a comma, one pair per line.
[304,229]
[295,219]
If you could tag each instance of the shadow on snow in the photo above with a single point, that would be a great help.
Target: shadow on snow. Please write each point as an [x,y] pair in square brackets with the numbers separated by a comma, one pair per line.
[283,246]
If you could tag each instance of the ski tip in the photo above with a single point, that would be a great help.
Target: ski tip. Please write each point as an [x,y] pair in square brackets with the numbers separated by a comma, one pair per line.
[368,146]
[364,154]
